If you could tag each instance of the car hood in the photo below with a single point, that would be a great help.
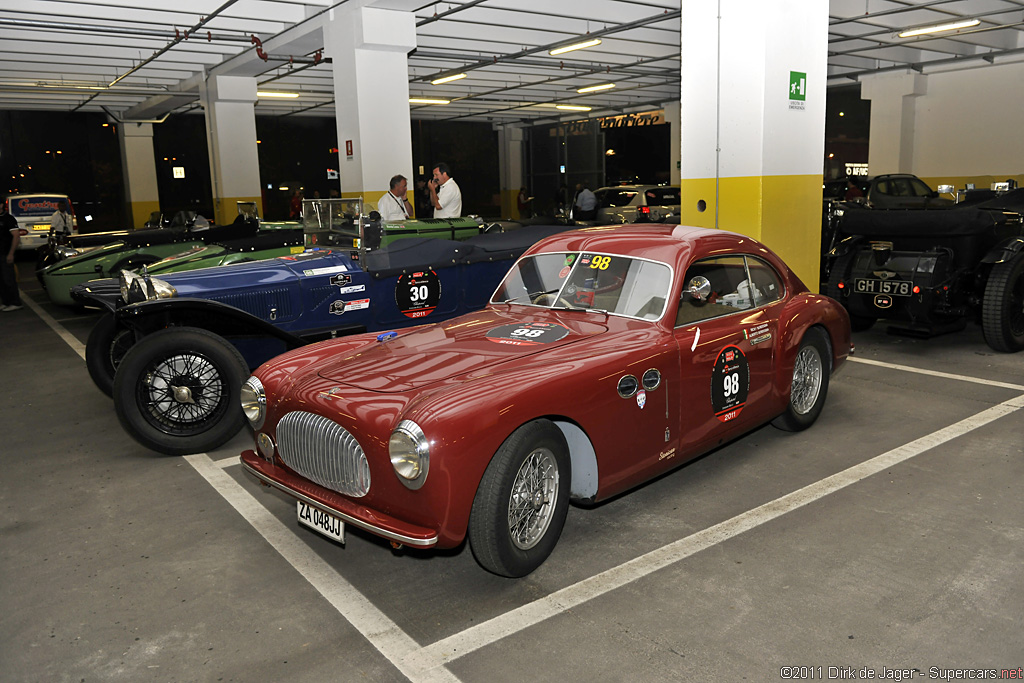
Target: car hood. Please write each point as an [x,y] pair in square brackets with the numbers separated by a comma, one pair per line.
[474,343]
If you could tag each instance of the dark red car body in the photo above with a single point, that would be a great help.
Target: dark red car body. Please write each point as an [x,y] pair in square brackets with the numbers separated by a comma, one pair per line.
[469,394]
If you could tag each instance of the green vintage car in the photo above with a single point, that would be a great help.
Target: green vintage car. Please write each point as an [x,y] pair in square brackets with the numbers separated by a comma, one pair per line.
[145,247]
[263,246]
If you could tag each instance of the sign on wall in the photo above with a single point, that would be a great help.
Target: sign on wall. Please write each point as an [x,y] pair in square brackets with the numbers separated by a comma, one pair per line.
[797,90]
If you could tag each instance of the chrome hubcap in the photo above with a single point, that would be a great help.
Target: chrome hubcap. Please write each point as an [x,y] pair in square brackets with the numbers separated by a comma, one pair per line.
[532,505]
[182,394]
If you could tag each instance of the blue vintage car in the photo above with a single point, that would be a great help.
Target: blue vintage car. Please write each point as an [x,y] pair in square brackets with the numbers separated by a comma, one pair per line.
[174,351]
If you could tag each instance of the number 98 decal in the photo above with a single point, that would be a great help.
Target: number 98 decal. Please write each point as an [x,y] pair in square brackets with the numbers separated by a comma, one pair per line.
[418,294]
[730,381]
[527,334]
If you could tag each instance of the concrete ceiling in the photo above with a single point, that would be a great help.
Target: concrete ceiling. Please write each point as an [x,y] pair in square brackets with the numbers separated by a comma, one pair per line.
[136,62]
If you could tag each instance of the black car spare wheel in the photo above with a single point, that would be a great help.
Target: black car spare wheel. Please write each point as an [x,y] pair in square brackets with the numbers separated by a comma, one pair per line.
[104,350]
[809,384]
[520,507]
[1002,314]
[177,391]
[839,273]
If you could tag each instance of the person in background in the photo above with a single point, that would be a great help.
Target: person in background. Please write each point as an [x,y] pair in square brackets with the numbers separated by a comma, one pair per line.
[586,203]
[60,221]
[10,235]
[295,208]
[424,209]
[394,206]
[525,203]
[445,195]
[852,191]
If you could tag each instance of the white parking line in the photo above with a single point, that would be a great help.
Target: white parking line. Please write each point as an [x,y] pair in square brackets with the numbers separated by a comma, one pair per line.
[936,373]
[374,625]
[70,339]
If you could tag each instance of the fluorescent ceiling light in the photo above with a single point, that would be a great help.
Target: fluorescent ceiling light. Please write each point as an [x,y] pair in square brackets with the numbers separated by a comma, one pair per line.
[446,79]
[967,23]
[595,88]
[575,46]
[272,93]
[426,100]
[571,107]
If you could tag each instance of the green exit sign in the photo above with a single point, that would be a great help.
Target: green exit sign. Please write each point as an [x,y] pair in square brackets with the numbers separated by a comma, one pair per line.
[797,85]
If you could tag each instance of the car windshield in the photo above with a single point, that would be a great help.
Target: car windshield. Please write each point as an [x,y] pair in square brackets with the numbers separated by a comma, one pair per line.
[662,196]
[610,283]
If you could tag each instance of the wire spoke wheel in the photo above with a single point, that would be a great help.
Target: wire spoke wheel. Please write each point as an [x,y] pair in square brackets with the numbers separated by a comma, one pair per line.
[182,392]
[531,506]
[807,376]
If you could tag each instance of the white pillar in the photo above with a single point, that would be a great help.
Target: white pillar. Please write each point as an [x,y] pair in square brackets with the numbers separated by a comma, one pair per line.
[231,137]
[369,49]
[753,122]
[138,164]
[510,165]
[672,114]
[893,98]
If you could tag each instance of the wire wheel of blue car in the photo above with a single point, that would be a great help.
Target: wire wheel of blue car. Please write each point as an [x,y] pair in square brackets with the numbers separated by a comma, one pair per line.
[522,501]
[177,391]
[104,350]
[1002,313]
[809,384]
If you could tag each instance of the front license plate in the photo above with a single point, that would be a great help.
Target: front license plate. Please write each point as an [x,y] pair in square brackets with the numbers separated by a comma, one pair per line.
[319,521]
[41,226]
[893,287]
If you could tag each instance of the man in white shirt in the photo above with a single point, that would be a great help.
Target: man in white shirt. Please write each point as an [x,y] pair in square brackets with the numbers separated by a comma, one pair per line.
[60,221]
[586,204]
[394,206]
[444,193]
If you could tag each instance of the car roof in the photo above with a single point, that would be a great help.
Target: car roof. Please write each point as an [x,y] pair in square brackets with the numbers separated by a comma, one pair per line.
[635,187]
[659,242]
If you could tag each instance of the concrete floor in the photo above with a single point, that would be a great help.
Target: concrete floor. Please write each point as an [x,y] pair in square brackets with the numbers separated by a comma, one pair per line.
[118,564]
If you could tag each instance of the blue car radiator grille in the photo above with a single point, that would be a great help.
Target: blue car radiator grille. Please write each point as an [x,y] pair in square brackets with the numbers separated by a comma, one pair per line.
[324,452]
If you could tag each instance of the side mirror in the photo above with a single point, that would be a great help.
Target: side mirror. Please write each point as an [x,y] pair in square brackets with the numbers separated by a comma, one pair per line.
[699,288]
[945,189]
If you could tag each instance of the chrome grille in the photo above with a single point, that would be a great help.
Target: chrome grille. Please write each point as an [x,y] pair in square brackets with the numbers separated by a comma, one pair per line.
[323,451]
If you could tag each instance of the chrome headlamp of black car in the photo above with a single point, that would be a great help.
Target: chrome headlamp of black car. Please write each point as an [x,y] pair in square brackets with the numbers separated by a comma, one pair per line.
[410,454]
[137,287]
[254,402]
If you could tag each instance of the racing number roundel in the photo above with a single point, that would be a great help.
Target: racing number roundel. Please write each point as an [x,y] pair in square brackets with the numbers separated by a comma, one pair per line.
[418,294]
[730,381]
[527,334]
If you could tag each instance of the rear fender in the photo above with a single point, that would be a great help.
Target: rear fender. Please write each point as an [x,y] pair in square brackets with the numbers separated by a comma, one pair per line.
[1004,251]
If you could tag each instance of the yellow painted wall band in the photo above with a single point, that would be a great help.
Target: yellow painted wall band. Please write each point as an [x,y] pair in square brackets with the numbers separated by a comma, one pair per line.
[141,211]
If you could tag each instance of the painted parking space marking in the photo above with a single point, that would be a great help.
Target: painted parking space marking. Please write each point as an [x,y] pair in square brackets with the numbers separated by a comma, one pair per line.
[384,634]
[936,373]
[427,663]
[70,339]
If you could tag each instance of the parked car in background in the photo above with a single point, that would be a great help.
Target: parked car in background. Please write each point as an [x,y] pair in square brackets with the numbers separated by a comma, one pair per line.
[636,203]
[930,272]
[607,356]
[33,211]
[900,191]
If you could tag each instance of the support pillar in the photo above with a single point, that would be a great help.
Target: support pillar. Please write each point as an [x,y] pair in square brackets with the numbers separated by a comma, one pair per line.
[138,163]
[369,49]
[231,138]
[510,165]
[893,98]
[672,114]
[753,123]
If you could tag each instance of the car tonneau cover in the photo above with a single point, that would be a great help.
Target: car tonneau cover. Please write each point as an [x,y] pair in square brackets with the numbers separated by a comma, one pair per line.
[264,240]
[916,222]
[414,253]
[509,245]
[1011,201]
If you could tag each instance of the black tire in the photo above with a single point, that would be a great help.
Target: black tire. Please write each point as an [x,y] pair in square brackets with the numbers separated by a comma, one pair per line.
[510,547]
[809,384]
[1002,313]
[104,350]
[858,323]
[177,391]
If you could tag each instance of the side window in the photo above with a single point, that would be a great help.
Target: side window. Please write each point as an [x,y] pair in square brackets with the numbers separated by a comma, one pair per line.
[882,187]
[767,285]
[919,188]
[730,290]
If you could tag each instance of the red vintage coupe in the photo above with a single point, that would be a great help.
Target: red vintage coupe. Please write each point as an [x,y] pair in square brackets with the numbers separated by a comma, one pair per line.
[607,356]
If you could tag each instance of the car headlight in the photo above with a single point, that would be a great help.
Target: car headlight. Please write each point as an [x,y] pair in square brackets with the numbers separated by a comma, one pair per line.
[254,402]
[136,287]
[66,252]
[410,454]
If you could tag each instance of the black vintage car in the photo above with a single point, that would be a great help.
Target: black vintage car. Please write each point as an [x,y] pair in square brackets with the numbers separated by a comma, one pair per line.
[933,271]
